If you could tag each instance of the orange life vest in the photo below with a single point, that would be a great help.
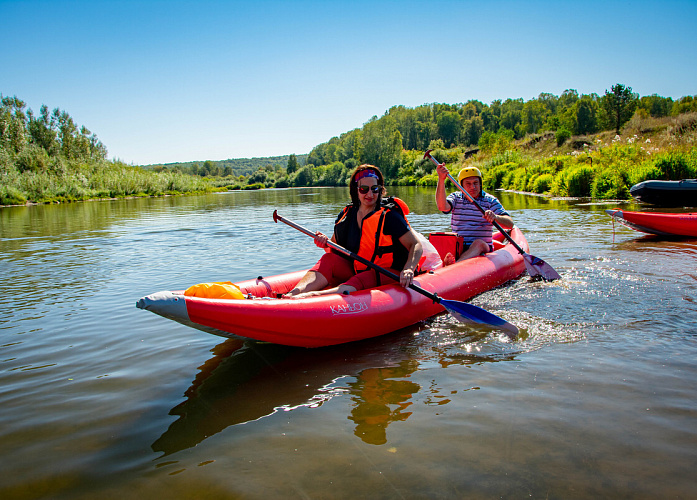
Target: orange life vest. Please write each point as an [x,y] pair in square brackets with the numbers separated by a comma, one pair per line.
[375,245]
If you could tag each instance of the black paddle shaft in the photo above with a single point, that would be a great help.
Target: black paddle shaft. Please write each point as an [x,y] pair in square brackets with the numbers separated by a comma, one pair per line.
[434,297]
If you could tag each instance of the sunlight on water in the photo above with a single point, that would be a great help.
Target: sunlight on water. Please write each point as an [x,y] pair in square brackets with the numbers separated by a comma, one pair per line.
[595,398]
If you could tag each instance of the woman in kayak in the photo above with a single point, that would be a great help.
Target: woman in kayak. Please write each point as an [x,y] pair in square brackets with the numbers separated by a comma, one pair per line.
[371,228]
[466,220]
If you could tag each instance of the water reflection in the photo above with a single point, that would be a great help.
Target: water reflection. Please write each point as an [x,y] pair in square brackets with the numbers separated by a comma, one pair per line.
[651,243]
[381,397]
[214,400]
[245,381]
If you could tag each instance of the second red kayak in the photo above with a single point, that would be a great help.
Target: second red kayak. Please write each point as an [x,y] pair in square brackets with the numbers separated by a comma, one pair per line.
[662,224]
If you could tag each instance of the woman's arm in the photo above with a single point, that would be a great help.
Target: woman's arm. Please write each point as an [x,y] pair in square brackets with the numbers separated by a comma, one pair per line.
[411,243]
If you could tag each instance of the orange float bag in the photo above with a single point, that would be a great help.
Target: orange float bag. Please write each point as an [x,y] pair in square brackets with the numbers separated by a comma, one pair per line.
[215,290]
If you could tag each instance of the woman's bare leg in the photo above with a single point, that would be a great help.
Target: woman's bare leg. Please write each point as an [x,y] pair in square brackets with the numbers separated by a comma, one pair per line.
[311,282]
[343,289]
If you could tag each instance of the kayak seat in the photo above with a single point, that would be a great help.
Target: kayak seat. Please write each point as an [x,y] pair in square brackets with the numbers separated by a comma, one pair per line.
[498,244]
[447,242]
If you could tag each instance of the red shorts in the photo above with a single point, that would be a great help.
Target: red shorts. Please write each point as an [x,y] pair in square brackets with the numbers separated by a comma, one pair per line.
[338,270]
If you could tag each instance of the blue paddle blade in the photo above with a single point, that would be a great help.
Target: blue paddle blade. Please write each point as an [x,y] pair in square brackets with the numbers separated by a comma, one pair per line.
[538,267]
[469,313]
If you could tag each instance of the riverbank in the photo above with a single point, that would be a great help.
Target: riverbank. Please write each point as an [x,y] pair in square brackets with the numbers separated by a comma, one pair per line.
[601,166]
[67,182]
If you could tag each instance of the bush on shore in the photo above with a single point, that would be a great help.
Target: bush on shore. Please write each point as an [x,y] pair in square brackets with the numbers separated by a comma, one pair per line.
[61,181]
[604,167]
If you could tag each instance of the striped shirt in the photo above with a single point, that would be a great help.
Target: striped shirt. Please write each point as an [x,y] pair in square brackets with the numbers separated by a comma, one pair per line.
[467,221]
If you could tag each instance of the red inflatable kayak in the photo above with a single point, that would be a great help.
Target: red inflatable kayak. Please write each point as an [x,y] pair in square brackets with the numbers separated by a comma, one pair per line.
[663,224]
[335,319]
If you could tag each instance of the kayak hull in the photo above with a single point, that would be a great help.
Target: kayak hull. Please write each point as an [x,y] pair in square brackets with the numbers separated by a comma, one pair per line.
[335,319]
[658,223]
[681,193]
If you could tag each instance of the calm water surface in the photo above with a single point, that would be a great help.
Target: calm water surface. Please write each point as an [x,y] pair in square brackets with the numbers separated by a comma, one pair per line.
[99,399]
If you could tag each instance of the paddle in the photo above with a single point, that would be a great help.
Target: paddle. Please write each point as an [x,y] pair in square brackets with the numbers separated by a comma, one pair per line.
[464,312]
[534,265]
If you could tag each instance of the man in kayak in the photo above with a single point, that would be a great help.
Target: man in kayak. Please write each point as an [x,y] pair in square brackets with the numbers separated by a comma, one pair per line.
[466,220]
[371,228]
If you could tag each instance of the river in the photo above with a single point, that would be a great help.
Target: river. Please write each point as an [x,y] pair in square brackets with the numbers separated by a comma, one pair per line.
[98,399]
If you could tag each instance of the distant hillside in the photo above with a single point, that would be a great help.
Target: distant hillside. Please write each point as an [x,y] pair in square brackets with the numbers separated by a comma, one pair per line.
[233,166]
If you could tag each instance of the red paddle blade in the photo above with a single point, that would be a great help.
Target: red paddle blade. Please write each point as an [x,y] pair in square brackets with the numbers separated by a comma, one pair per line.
[538,267]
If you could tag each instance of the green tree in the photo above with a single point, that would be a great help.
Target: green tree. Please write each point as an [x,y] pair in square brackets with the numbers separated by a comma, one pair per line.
[534,116]
[67,130]
[549,101]
[353,146]
[512,115]
[292,164]
[426,131]
[12,124]
[685,104]
[619,104]
[43,131]
[379,143]
[315,156]
[470,110]
[567,99]
[656,105]
[585,116]
[258,177]
[304,177]
[394,159]
[333,151]
[97,150]
[561,135]
[497,142]
[473,130]
[449,126]
[333,175]
[490,119]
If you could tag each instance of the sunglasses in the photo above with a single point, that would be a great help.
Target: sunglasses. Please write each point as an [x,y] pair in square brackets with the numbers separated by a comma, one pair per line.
[364,189]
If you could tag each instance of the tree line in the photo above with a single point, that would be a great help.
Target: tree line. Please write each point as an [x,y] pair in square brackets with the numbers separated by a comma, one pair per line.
[390,140]
[383,141]
[51,149]
[48,158]
[43,142]
[234,167]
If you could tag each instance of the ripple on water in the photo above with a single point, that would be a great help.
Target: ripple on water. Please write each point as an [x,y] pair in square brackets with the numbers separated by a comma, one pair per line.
[120,401]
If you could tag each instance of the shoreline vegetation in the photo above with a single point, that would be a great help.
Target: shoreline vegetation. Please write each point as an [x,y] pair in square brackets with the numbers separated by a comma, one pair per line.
[571,145]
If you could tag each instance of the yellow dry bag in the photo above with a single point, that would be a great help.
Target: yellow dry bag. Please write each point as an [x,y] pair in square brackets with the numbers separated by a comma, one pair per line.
[216,290]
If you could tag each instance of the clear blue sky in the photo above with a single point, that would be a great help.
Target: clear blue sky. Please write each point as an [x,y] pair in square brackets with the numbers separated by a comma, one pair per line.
[166,81]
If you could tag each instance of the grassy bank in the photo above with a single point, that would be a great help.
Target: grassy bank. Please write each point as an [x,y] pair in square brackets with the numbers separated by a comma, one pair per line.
[84,181]
[600,166]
